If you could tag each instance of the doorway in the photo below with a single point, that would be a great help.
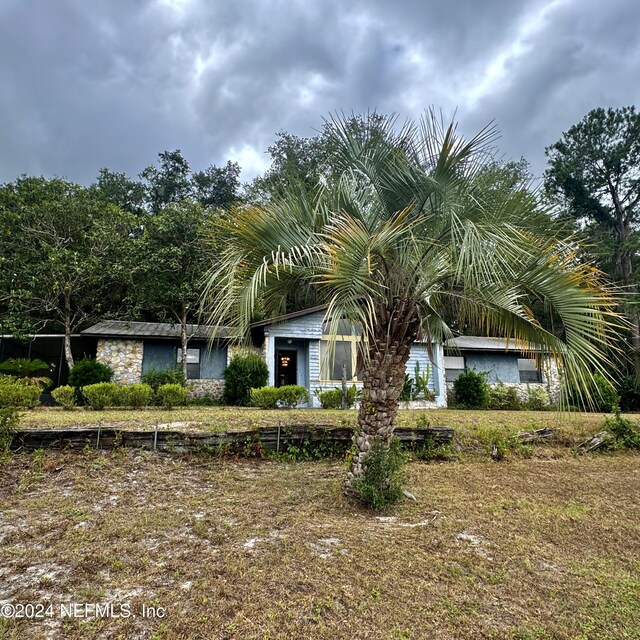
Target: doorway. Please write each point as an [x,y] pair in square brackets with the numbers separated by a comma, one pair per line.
[286,367]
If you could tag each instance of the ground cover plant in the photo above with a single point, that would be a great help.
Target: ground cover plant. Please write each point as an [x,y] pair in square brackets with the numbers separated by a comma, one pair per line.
[544,549]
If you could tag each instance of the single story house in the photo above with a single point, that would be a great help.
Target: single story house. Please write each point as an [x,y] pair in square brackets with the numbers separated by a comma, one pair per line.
[503,361]
[296,348]
[132,349]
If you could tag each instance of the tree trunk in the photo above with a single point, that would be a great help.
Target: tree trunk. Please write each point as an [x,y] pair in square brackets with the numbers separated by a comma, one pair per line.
[388,353]
[68,355]
[184,341]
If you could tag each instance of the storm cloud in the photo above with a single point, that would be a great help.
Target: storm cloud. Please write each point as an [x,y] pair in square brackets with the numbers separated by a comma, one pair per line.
[111,83]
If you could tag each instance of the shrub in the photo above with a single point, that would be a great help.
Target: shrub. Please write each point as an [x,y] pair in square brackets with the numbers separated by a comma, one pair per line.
[34,371]
[157,377]
[606,397]
[87,372]
[101,395]
[18,393]
[245,372]
[625,432]
[332,399]
[383,481]
[9,422]
[292,395]
[471,390]
[537,399]
[505,398]
[265,397]
[171,395]
[65,396]
[136,395]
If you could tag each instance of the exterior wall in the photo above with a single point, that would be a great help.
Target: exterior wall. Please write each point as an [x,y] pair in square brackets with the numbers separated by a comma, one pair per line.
[123,356]
[162,354]
[200,388]
[305,333]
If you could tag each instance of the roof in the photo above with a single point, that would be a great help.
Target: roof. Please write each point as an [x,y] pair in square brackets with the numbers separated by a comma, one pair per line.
[481,343]
[158,330]
[288,316]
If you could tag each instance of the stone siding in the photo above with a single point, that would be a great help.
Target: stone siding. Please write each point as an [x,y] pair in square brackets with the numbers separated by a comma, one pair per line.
[201,388]
[123,356]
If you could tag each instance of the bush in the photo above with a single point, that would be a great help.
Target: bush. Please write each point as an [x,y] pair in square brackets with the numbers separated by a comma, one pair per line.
[471,390]
[383,481]
[606,397]
[18,393]
[9,422]
[505,398]
[136,395]
[88,372]
[155,378]
[265,397]
[332,399]
[537,399]
[65,396]
[101,395]
[245,372]
[292,395]
[625,432]
[171,395]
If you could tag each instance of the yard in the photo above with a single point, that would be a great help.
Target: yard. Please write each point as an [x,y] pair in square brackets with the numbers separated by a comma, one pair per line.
[528,548]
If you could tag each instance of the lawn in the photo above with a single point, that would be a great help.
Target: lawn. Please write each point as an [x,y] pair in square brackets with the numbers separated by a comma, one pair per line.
[525,549]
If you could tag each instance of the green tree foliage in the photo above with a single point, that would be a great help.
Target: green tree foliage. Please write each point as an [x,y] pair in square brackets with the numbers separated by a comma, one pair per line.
[66,262]
[594,177]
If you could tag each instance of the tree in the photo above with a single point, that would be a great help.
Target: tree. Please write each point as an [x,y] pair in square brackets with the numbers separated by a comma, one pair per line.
[64,261]
[594,175]
[401,235]
[171,256]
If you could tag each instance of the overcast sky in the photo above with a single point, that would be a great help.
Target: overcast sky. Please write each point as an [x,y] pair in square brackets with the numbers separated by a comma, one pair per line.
[92,83]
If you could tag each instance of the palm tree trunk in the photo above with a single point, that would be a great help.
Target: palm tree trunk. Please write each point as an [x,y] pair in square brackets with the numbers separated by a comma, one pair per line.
[389,349]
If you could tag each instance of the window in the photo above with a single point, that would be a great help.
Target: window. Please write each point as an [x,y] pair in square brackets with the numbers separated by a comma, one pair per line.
[453,367]
[528,370]
[193,362]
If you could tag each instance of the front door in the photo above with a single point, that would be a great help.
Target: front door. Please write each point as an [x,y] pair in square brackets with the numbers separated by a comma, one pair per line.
[286,367]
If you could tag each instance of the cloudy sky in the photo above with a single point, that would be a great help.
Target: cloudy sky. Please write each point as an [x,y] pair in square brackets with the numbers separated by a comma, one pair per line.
[92,83]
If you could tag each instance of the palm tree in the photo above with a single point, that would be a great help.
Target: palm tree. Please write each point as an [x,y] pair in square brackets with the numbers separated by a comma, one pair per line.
[406,240]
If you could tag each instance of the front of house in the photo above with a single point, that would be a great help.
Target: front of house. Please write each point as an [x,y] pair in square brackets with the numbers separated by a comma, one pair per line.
[297,349]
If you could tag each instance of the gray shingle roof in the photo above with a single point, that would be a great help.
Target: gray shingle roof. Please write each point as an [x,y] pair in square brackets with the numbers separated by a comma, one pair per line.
[158,330]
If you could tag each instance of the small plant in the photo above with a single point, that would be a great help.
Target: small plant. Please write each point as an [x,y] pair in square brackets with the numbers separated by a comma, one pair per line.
[88,371]
[383,480]
[9,422]
[471,390]
[101,395]
[292,395]
[136,395]
[157,377]
[265,397]
[245,372]
[332,399]
[171,395]
[65,396]
[625,432]
[432,449]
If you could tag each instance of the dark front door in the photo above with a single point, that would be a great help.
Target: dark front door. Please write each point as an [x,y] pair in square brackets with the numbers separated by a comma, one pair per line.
[286,367]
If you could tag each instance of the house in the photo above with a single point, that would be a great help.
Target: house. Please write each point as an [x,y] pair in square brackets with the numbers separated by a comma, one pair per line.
[504,362]
[297,350]
[132,349]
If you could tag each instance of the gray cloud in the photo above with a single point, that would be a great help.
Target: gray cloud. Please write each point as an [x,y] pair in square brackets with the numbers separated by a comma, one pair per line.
[112,83]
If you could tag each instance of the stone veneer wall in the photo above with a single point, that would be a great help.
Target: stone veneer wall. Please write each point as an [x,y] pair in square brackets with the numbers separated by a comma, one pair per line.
[123,356]
[201,388]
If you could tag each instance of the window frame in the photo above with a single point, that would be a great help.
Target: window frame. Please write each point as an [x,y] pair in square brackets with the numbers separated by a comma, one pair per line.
[354,340]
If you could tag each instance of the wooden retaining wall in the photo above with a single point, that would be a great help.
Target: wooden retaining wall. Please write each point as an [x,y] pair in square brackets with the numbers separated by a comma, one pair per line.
[268,438]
